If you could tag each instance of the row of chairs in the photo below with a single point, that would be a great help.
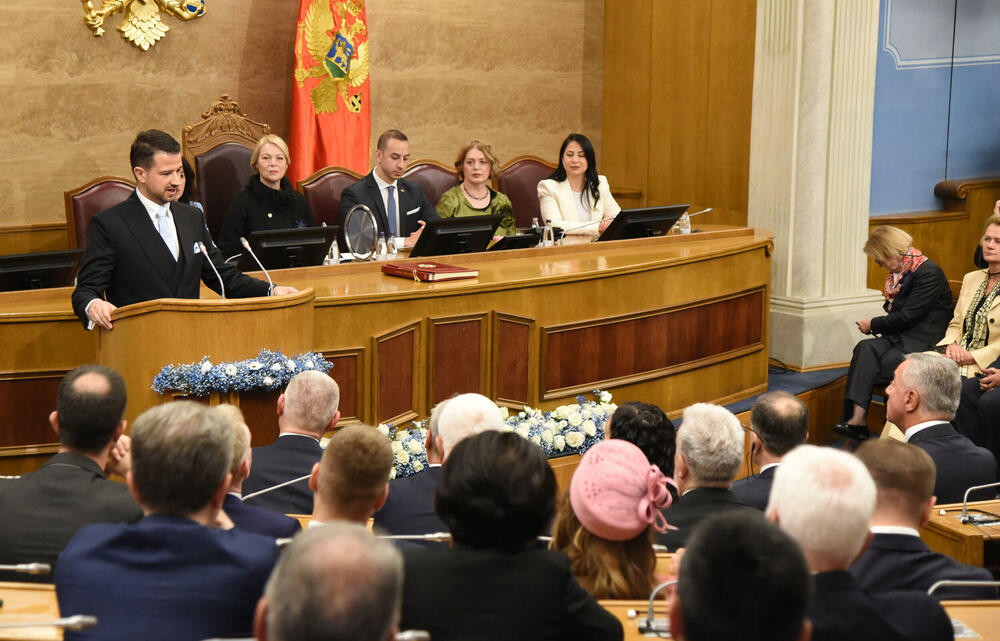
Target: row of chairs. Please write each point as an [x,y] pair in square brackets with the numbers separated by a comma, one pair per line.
[219,149]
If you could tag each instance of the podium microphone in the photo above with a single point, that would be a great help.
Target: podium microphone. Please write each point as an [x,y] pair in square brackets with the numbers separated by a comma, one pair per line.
[204,252]
[75,622]
[976,518]
[276,487]
[246,246]
[27,568]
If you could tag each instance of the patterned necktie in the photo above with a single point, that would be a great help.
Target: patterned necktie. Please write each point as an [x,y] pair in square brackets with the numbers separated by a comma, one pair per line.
[392,210]
[167,232]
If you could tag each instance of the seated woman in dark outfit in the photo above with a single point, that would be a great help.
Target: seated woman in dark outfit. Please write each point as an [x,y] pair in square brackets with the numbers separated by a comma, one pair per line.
[268,202]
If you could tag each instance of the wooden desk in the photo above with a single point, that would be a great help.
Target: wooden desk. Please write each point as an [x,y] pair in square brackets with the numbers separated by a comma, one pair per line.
[983,617]
[24,602]
[971,544]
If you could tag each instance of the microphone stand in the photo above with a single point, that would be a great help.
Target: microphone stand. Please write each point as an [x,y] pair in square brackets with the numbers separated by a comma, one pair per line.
[204,253]
[75,622]
[276,487]
[975,518]
[246,246]
[27,568]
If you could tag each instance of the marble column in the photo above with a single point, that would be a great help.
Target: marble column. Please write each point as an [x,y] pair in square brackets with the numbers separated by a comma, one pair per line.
[810,170]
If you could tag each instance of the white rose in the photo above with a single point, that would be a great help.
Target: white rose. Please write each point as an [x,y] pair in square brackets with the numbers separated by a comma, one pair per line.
[276,367]
[324,441]
[574,439]
[586,413]
[551,425]
[268,381]
[415,446]
[547,437]
[605,397]
[523,430]
[505,413]
[396,446]
[417,466]
[382,427]
[536,439]
[254,365]
[402,457]
[206,366]
[575,419]
[559,443]
[560,412]
[308,364]
[589,428]
[291,365]
[231,370]
[392,474]
[507,428]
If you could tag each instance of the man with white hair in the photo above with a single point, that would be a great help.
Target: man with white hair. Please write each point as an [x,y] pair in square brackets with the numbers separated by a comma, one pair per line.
[708,454]
[824,499]
[333,583]
[922,398]
[306,410]
[410,506]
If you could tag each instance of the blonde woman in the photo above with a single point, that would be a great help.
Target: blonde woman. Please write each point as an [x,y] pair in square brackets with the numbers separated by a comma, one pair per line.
[473,196]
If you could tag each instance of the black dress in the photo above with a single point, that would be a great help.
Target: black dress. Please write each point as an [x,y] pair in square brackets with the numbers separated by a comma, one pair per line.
[258,207]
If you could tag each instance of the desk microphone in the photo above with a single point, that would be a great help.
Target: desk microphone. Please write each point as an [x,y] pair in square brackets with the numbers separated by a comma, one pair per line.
[75,622]
[976,518]
[28,568]
[204,252]
[653,626]
[246,246]
[276,487]
[949,583]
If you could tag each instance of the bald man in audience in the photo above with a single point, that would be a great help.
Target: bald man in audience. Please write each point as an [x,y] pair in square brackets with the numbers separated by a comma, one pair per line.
[306,410]
[171,576]
[778,422]
[410,506]
[352,479]
[40,512]
[824,498]
[896,558]
[708,455]
[741,578]
[250,518]
[922,398]
[334,583]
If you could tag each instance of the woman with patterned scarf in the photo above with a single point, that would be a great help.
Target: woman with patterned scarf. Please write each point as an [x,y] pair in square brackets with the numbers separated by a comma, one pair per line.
[917,305]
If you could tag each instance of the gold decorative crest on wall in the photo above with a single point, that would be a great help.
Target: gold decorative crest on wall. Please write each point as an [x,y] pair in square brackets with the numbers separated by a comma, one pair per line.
[142,25]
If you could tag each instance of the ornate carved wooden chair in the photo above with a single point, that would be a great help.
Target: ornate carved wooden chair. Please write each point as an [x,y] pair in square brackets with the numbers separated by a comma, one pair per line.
[519,179]
[433,177]
[322,191]
[86,201]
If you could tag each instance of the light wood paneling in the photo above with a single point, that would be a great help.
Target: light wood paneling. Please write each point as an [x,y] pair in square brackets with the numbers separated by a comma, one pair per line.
[25,239]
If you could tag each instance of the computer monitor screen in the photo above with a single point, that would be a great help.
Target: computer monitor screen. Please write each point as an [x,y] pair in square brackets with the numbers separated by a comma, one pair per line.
[460,235]
[643,222]
[37,271]
[281,248]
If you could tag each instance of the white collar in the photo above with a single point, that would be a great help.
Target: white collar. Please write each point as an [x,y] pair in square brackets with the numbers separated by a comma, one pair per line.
[768,466]
[913,429]
[302,435]
[381,183]
[894,529]
[151,207]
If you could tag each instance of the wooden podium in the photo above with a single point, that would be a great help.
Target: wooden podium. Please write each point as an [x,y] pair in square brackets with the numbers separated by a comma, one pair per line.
[148,336]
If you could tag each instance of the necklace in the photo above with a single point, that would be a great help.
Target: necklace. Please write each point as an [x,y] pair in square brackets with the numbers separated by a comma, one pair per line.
[466,190]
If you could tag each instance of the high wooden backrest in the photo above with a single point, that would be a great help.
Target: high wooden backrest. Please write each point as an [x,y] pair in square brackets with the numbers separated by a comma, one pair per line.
[83,203]
[433,177]
[519,179]
[219,148]
[322,191]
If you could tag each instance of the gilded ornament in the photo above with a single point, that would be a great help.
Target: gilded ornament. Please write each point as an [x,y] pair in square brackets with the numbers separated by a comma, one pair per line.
[333,54]
[142,25]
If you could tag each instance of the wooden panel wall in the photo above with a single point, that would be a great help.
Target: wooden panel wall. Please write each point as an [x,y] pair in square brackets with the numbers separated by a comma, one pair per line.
[678,86]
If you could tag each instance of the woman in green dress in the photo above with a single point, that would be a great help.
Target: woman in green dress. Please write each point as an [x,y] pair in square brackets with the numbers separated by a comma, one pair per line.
[473,196]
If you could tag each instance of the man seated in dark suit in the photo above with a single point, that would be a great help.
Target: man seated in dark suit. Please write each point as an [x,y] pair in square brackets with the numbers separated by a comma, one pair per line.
[896,558]
[922,398]
[399,205]
[171,576]
[352,479]
[249,518]
[145,247]
[709,450]
[648,428]
[306,410]
[824,498]
[778,422]
[42,511]
[409,508]
[741,578]
[334,582]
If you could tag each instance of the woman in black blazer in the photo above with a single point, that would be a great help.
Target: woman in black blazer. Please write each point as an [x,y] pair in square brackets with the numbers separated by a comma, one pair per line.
[918,307]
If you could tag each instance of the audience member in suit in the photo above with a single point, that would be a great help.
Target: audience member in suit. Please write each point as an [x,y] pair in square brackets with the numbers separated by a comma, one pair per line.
[978,414]
[709,450]
[778,422]
[399,205]
[922,398]
[410,506]
[824,498]
[249,518]
[897,559]
[575,198]
[306,410]
[606,521]
[352,479]
[171,576]
[918,308]
[43,510]
[496,495]
[129,260]
[334,582]
[741,578]
[648,428]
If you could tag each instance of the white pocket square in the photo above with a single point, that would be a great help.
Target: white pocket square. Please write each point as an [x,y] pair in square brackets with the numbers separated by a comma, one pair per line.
[413,211]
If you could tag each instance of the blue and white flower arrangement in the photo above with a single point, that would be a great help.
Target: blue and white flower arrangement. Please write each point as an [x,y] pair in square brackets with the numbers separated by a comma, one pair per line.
[266,371]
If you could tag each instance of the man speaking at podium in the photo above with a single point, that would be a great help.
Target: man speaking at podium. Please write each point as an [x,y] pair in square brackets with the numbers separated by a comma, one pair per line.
[148,246]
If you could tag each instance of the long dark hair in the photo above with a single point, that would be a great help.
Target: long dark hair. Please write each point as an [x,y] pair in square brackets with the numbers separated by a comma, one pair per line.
[590,177]
[190,192]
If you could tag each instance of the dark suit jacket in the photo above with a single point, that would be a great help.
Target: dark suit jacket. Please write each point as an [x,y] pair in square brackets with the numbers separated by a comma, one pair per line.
[917,615]
[41,511]
[755,490]
[259,520]
[896,562]
[921,311]
[960,463]
[411,202]
[694,506]
[127,260]
[289,457]
[164,578]
[841,610]
[409,508]
[469,593]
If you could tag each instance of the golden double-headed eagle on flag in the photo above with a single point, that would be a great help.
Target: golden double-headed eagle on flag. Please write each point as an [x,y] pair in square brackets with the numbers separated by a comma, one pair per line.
[332,45]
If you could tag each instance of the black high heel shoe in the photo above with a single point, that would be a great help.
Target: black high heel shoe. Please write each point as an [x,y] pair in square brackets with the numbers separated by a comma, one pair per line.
[855,432]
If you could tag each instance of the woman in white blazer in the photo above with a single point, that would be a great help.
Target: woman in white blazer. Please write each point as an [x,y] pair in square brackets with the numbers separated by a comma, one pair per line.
[574,197]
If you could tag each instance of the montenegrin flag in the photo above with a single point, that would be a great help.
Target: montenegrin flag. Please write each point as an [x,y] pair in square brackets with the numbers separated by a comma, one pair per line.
[331,115]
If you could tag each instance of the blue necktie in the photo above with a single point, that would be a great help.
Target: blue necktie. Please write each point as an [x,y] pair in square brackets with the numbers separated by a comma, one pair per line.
[392,210]
[168,233]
